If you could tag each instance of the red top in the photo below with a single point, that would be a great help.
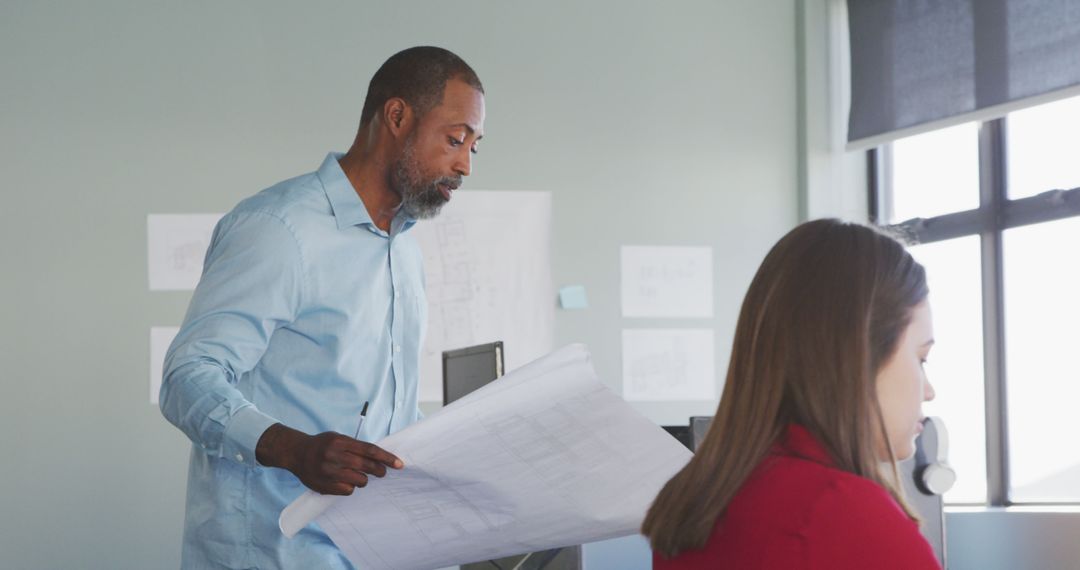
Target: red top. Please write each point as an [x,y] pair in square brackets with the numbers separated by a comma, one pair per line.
[798,511]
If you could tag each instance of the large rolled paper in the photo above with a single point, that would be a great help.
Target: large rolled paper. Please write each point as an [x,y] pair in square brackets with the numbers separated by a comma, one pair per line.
[302,511]
[545,457]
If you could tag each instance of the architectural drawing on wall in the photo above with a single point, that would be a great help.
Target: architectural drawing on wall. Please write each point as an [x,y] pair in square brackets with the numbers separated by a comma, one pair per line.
[450,282]
[160,339]
[667,365]
[672,282]
[176,246]
[487,262]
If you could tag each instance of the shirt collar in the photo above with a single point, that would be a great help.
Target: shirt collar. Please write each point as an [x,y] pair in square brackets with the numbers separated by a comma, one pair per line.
[349,209]
[799,442]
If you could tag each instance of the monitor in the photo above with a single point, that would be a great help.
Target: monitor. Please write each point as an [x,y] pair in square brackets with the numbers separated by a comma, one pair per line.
[467,369]
[699,427]
[692,434]
[681,433]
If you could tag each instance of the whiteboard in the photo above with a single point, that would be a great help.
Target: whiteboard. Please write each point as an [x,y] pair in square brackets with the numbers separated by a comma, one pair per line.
[487,262]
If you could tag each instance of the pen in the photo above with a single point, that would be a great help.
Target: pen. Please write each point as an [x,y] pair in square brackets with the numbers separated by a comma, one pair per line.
[310,505]
[363,414]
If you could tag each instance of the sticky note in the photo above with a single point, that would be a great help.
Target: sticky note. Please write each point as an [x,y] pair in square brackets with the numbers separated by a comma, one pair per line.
[573,297]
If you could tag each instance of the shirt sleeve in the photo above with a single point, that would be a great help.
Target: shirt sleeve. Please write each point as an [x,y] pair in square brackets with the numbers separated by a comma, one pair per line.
[251,285]
[857,524]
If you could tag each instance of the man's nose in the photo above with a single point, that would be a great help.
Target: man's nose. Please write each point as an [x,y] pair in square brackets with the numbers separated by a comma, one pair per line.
[928,392]
[463,166]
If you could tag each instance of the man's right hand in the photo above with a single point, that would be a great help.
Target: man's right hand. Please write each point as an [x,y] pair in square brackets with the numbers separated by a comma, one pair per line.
[329,463]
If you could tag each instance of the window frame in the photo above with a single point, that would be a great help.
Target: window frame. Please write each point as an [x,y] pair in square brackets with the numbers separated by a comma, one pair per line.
[995,214]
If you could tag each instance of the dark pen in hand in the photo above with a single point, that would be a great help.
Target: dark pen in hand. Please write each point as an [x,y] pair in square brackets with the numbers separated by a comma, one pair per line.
[363,414]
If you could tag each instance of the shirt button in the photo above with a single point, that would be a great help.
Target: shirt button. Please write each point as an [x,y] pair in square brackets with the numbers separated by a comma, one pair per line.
[397,348]
[240,458]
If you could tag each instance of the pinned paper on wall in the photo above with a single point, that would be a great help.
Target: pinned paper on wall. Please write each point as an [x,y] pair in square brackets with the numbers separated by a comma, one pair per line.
[176,246]
[487,264]
[668,364]
[160,339]
[663,281]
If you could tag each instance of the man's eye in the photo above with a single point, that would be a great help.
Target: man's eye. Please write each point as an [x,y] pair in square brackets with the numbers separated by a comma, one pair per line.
[474,150]
[455,142]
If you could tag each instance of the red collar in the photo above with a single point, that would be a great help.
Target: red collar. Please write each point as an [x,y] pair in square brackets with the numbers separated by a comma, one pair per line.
[797,441]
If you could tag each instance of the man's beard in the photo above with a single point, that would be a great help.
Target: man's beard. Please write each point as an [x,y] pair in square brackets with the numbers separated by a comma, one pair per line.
[420,198]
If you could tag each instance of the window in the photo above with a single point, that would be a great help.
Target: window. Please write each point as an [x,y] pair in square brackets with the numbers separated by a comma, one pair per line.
[955,365]
[994,208]
[936,173]
[1042,148]
[1042,313]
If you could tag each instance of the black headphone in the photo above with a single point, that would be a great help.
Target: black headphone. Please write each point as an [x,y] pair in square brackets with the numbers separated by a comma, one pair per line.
[937,476]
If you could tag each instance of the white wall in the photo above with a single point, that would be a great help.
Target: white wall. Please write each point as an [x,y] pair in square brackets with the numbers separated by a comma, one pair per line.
[652,123]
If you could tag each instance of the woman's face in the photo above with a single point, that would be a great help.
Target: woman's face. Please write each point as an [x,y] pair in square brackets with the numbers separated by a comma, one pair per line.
[902,386]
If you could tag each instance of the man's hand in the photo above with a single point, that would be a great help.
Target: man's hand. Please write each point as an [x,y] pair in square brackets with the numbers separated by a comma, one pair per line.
[329,463]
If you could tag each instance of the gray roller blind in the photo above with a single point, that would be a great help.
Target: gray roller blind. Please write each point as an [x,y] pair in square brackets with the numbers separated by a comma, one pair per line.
[918,62]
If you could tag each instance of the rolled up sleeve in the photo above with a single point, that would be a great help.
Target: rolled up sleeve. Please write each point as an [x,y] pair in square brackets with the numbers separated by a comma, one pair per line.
[252,284]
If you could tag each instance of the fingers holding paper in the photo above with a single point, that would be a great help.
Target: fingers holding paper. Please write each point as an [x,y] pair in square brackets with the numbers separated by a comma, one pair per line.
[335,464]
[329,463]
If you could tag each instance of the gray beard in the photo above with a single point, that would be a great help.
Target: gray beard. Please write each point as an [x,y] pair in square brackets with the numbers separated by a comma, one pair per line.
[420,199]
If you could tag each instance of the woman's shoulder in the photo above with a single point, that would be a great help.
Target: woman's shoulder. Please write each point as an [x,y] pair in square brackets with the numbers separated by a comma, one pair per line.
[855,522]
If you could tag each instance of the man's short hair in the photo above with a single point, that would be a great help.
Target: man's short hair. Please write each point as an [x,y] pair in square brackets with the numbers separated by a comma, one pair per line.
[418,75]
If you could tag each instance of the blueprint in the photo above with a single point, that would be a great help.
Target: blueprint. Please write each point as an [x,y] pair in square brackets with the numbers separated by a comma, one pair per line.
[666,281]
[546,456]
[176,245]
[487,267]
[668,365]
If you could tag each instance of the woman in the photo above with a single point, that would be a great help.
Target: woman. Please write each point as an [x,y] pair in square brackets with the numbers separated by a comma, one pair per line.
[823,397]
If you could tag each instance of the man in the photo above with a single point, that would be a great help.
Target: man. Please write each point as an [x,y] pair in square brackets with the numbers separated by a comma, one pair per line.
[310,305]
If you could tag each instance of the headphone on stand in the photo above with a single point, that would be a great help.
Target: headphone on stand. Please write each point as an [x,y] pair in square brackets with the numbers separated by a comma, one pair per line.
[937,476]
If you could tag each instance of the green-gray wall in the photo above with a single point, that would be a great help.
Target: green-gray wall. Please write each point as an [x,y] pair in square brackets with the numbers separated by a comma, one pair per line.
[651,122]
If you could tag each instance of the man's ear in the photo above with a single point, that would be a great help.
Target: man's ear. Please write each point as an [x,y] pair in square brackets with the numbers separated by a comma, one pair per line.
[398,116]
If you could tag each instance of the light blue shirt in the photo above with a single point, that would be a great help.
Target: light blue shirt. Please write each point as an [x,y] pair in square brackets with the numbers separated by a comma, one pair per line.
[305,311]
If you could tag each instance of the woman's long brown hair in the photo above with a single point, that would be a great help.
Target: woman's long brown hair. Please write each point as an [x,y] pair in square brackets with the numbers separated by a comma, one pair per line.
[823,313]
